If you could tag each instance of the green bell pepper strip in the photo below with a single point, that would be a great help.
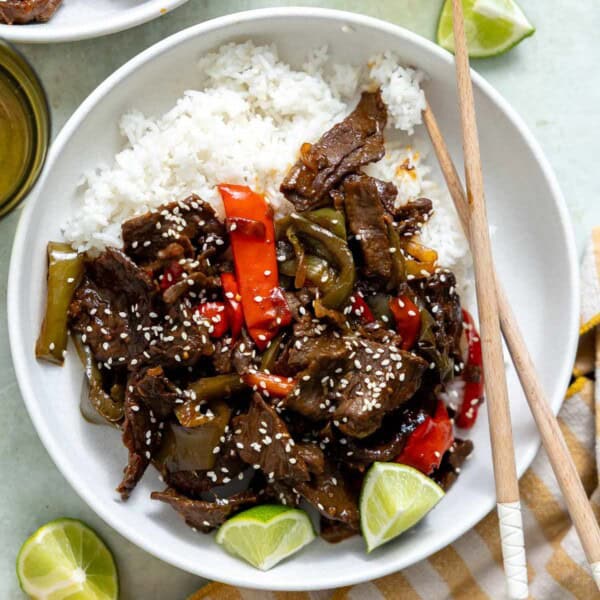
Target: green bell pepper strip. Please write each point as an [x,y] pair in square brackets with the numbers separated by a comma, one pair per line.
[65,271]
[94,400]
[330,219]
[337,252]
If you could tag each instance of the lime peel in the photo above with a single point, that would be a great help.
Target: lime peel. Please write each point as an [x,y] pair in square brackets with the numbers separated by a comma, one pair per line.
[492,26]
[63,558]
[264,535]
[394,497]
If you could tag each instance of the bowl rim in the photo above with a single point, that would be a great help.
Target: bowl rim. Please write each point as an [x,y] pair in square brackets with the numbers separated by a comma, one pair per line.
[42,33]
[18,350]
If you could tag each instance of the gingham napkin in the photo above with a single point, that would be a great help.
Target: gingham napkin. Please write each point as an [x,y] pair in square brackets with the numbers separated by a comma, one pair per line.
[471,568]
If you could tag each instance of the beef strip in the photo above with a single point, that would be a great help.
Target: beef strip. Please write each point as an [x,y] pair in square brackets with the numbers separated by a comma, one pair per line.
[112,306]
[235,357]
[20,12]
[313,457]
[149,400]
[365,216]
[263,439]
[314,360]
[281,493]
[411,216]
[331,495]
[386,444]
[298,300]
[449,468]
[190,222]
[336,531]
[383,378]
[183,340]
[355,141]
[201,514]
[387,193]
[191,282]
[441,341]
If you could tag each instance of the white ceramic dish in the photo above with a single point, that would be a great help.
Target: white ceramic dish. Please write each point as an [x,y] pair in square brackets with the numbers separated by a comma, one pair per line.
[533,246]
[82,19]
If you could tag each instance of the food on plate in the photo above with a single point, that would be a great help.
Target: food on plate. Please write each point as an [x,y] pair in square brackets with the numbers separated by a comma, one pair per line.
[268,343]
[19,12]
[65,558]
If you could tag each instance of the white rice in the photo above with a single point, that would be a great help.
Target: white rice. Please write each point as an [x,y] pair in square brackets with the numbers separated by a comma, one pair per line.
[244,123]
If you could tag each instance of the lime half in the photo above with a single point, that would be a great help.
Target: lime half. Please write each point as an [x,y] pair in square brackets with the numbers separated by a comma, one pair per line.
[394,498]
[264,535]
[66,560]
[492,26]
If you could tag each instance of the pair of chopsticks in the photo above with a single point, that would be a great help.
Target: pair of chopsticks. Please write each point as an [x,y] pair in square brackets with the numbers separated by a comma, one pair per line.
[495,314]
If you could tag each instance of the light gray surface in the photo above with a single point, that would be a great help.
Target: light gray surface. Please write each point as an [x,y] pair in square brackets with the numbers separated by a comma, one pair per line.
[552,79]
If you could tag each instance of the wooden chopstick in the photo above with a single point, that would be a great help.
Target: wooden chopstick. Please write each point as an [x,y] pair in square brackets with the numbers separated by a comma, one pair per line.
[577,502]
[503,456]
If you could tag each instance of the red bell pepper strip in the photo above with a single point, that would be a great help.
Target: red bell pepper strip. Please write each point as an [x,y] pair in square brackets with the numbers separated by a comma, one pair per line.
[275,385]
[264,306]
[233,302]
[472,375]
[428,442]
[359,308]
[216,315]
[408,320]
[171,275]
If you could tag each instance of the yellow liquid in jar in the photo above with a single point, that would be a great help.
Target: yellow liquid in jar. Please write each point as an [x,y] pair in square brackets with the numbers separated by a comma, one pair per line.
[17,134]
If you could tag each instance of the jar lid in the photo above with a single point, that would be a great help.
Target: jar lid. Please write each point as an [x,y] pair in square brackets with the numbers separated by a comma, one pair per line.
[24,127]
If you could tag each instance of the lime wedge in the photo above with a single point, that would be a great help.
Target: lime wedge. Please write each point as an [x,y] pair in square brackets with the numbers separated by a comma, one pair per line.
[492,26]
[65,559]
[266,534]
[394,498]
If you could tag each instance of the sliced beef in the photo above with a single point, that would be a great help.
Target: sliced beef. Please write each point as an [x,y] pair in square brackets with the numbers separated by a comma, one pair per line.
[348,145]
[315,361]
[336,531]
[365,215]
[313,457]
[442,324]
[411,216]
[331,495]
[235,357]
[383,378]
[181,340]
[203,515]
[451,464]
[112,307]
[299,302]
[386,444]
[149,401]
[188,223]
[281,493]
[263,439]
[387,193]
[20,12]
[195,282]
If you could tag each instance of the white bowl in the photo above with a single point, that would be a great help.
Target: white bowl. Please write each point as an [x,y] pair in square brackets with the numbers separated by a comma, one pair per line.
[82,19]
[534,251]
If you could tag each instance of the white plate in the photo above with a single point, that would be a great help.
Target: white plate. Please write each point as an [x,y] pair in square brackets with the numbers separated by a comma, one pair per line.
[82,19]
[533,246]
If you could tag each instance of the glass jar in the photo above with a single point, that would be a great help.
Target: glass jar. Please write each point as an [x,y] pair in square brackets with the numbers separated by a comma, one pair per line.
[24,127]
